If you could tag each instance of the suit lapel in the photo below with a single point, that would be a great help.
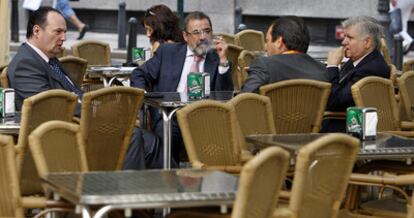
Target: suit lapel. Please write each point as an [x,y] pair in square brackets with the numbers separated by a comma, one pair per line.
[50,73]
[210,66]
[348,70]
[177,67]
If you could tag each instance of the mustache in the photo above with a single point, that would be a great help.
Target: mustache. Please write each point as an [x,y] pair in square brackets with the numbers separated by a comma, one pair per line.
[203,48]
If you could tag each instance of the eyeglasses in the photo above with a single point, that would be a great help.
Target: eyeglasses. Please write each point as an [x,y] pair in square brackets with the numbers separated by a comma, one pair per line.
[198,33]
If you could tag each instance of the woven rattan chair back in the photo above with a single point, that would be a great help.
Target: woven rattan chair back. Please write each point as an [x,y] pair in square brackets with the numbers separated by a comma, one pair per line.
[254,113]
[107,122]
[406,88]
[408,65]
[385,51]
[393,74]
[95,52]
[244,61]
[260,182]
[211,134]
[49,105]
[4,80]
[251,40]
[366,93]
[298,105]
[321,176]
[10,200]
[75,67]
[233,52]
[228,38]
[56,146]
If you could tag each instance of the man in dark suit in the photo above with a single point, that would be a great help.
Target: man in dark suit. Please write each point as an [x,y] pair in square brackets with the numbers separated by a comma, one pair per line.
[287,41]
[167,71]
[360,45]
[35,68]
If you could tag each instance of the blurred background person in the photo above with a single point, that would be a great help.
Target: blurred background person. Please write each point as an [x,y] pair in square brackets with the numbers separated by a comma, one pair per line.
[67,11]
[406,7]
[161,26]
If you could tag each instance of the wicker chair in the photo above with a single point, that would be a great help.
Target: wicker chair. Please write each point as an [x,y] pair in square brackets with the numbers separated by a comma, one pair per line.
[385,51]
[228,38]
[251,40]
[408,65]
[10,199]
[365,93]
[233,52]
[321,176]
[75,67]
[393,74]
[56,146]
[95,52]
[254,113]
[259,185]
[244,61]
[4,80]
[37,109]
[298,104]
[212,135]
[406,88]
[107,122]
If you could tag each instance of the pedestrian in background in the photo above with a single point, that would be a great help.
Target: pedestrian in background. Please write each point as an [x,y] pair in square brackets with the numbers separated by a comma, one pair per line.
[406,7]
[67,11]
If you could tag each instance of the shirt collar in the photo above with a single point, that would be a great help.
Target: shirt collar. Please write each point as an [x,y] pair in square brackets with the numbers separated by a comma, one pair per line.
[355,63]
[39,52]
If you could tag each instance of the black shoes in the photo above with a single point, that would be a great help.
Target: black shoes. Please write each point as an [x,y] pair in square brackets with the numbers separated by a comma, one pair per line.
[408,48]
[83,31]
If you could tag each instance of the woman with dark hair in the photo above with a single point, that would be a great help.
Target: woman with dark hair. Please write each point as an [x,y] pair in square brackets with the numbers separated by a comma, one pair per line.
[161,26]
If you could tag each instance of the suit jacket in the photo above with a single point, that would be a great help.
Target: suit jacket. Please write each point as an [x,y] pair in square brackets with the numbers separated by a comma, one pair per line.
[341,97]
[29,74]
[266,70]
[163,71]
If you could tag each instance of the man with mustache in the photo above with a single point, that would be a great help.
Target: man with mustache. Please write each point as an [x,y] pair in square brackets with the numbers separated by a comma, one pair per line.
[167,71]
[360,46]
[35,67]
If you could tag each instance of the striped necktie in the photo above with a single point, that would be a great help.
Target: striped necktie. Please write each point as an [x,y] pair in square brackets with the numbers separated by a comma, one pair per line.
[63,78]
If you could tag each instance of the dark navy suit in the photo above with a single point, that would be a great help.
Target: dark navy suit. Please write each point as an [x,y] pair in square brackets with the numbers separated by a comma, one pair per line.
[341,97]
[163,72]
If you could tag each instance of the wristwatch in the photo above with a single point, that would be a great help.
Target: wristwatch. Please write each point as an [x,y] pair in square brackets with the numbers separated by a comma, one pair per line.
[224,64]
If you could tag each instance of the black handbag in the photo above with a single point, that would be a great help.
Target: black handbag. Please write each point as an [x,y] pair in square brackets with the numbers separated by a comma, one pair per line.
[396,21]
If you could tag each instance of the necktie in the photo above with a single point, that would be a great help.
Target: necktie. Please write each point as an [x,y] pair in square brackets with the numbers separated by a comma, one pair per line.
[196,61]
[194,68]
[62,77]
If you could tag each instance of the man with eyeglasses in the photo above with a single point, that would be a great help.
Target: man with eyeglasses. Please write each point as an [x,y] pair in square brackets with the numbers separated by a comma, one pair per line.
[167,71]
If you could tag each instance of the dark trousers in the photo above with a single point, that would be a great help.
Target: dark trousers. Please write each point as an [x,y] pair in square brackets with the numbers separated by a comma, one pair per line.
[145,151]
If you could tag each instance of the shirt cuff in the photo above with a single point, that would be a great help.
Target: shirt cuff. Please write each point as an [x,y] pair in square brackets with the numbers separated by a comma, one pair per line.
[223,70]
[330,66]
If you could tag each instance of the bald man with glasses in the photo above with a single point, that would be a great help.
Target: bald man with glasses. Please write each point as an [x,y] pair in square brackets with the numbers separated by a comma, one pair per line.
[167,71]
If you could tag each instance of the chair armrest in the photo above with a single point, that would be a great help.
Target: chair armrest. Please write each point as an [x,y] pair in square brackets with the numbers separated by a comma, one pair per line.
[246,156]
[282,213]
[387,179]
[409,134]
[407,125]
[198,165]
[284,195]
[334,115]
[76,120]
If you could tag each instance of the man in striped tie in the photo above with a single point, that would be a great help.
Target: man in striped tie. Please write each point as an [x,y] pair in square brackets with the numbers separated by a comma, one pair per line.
[35,68]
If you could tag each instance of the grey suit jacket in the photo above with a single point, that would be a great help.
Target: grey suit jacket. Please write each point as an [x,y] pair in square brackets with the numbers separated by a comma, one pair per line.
[266,70]
[29,74]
